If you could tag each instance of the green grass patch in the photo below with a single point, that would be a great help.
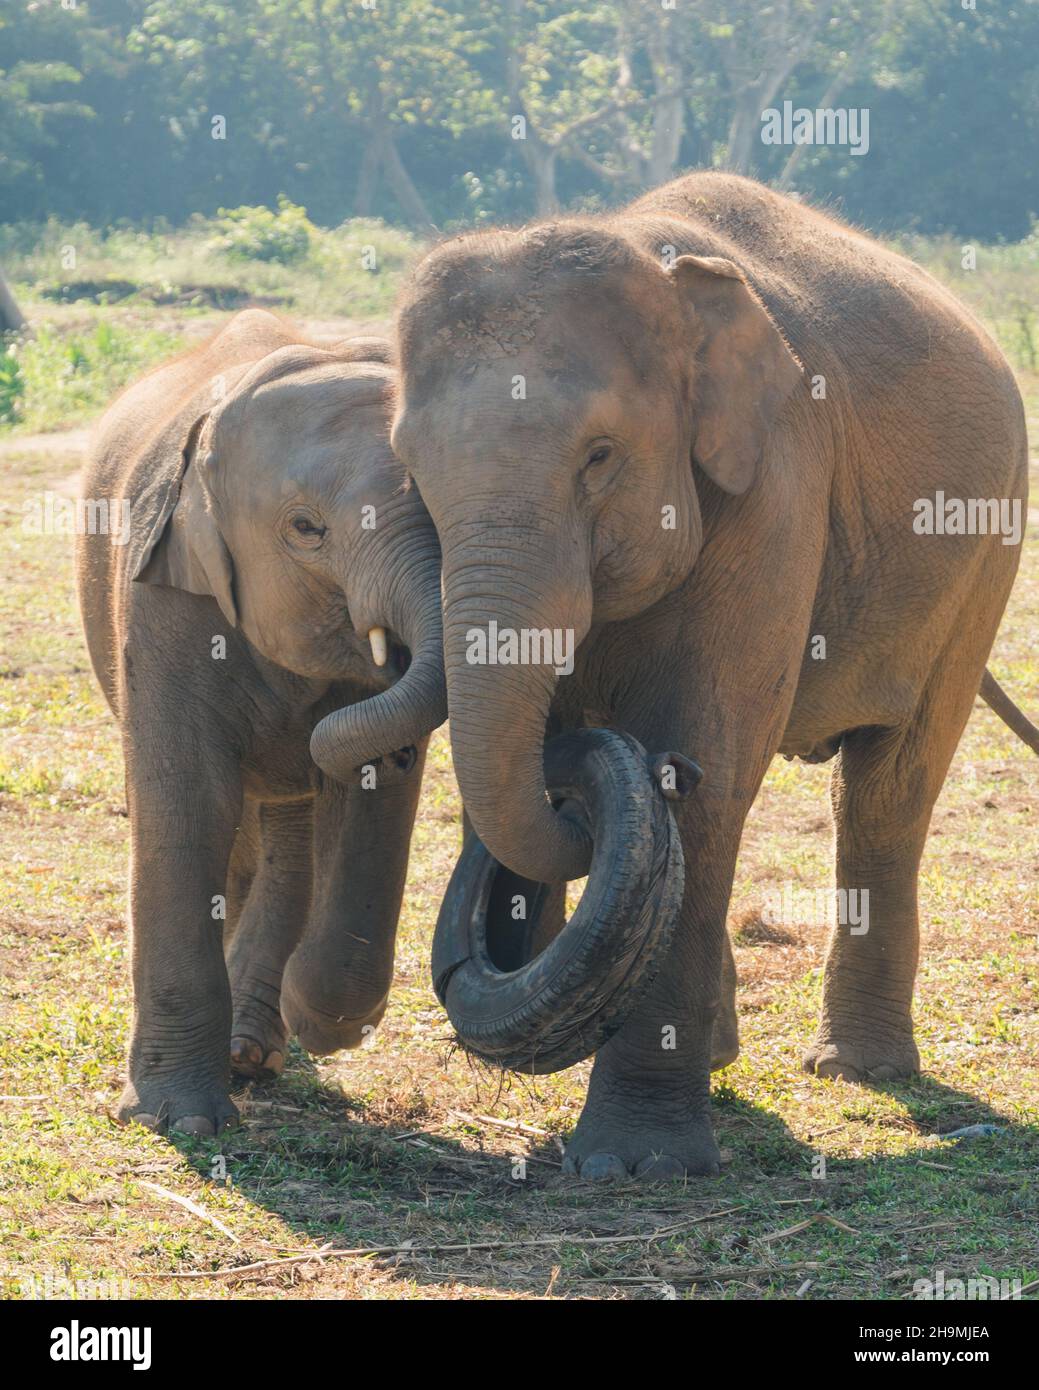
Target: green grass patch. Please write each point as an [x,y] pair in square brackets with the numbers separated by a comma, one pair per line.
[65,378]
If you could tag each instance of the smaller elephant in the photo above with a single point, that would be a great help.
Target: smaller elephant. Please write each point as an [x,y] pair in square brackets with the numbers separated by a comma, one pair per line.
[275,605]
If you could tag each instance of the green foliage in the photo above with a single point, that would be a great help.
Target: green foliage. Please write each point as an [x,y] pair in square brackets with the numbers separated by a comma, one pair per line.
[12,384]
[65,379]
[30,110]
[260,234]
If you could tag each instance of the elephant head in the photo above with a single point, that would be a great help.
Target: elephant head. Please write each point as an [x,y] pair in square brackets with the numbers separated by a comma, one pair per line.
[293,514]
[557,386]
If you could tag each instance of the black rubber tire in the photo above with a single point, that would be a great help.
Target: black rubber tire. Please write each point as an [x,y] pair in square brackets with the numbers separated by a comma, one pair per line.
[562,1005]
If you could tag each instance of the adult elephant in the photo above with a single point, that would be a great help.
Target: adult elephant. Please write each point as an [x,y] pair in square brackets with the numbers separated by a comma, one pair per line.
[277,590]
[696,434]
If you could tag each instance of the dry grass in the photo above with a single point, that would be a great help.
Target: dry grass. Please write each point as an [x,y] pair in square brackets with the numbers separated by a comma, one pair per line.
[450,1173]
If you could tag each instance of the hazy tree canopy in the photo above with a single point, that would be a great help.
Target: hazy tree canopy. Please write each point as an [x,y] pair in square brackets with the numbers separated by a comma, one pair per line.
[448,111]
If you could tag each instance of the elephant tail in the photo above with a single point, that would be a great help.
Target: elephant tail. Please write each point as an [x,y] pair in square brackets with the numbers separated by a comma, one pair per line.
[1000,702]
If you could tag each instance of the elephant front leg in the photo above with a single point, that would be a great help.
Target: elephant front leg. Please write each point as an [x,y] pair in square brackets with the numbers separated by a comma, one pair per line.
[647,1113]
[337,982]
[182,828]
[270,926]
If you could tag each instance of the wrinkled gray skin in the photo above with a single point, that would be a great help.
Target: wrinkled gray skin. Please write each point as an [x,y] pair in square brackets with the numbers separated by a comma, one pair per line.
[248,465]
[562,387]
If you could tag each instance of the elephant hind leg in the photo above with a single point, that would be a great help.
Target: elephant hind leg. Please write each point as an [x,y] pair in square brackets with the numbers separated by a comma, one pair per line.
[269,926]
[884,787]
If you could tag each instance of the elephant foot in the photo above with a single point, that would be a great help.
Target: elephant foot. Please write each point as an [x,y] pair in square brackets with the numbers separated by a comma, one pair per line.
[170,1105]
[255,1060]
[322,1033]
[259,1041]
[863,1062]
[326,1019]
[618,1145]
[258,1038]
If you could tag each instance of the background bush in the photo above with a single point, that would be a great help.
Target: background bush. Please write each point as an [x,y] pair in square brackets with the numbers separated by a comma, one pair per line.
[260,234]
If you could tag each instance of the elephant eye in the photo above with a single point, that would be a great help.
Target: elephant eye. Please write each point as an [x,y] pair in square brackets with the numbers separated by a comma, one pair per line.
[307,530]
[599,454]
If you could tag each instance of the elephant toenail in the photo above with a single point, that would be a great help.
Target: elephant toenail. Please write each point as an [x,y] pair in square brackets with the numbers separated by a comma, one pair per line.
[884,1072]
[245,1052]
[604,1167]
[199,1125]
[838,1071]
[660,1168]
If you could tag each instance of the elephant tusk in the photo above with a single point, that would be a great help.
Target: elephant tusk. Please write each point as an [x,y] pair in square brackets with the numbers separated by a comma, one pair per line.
[377,637]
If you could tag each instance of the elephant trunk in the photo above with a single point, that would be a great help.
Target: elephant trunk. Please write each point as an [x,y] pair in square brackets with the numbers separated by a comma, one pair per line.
[542,1012]
[407,596]
[499,699]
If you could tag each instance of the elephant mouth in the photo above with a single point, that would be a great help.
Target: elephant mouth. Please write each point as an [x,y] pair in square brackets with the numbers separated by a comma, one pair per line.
[398,762]
[399,658]
[386,729]
[540,1013]
[385,666]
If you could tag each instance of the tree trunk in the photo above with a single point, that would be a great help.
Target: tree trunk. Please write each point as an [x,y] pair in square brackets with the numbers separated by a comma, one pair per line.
[400,181]
[669,111]
[541,161]
[381,157]
[837,85]
[367,180]
[745,130]
[785,44]
[539,157]
[746,122]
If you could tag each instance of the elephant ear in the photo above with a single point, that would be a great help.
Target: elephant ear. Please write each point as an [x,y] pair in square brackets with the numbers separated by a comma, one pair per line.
[185,549]
[746,370]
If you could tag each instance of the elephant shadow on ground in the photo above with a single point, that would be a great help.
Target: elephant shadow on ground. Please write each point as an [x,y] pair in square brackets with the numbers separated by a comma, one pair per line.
[442,1200]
